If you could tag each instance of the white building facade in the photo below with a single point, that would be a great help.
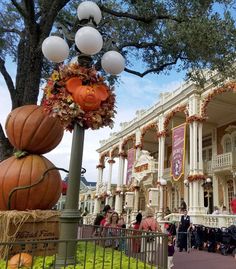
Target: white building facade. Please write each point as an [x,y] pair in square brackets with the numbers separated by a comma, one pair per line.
[208,176]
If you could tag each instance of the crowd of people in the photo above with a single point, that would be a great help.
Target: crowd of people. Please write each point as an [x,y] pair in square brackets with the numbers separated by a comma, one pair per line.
[109,223]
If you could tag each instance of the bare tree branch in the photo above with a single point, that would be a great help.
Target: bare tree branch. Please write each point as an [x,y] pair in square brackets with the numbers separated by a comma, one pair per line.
[152,70]
[20,9]
[7,78]
[49,14]
[10,30]
[140,45]
[139,18]
[29,5]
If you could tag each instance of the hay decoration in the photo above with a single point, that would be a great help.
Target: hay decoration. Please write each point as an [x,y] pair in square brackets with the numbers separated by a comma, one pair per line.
[12,221]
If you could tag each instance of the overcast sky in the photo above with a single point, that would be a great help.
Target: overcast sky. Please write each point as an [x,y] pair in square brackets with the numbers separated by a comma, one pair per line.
[133,93]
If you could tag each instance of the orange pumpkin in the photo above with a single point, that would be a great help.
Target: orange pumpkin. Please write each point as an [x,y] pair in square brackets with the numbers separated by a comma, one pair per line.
[20,260]
[88,97]
[29,128]
[26,171]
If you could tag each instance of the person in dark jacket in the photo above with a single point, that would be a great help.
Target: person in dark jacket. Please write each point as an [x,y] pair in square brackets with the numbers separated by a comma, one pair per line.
[184,226]
[183,205]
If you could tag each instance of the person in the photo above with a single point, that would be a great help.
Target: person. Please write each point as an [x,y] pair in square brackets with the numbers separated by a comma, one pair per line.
[85,213]
[233,205]
[111,228]
[106,215]
[175,210]
[183,229]
[149,224]
[121,222]
[183,205]
[216,211]
[136,242]
[97,228]
[171,251]
[167,211]
[224,211]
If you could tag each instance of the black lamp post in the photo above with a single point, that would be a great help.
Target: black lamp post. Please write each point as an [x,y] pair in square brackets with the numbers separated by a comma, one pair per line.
[89,42]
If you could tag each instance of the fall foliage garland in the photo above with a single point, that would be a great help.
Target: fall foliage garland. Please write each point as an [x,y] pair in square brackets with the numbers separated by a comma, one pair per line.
[58,102]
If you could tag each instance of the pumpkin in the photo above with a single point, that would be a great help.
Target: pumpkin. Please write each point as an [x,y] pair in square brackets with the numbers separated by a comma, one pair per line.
[19,172]
[20,260]
[88,97]
[29,128]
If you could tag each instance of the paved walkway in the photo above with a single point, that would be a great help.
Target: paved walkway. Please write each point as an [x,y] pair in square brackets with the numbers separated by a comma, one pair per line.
[203,260]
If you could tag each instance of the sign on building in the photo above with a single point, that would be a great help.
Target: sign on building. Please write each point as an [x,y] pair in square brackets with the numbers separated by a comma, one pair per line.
[129,199]
[130,162]
[178,151]
[153,194]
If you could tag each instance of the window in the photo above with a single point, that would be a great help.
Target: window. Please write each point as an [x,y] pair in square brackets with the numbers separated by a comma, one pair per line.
[230,188]
[234,142]
[226,143]
[228,147]
[207,154]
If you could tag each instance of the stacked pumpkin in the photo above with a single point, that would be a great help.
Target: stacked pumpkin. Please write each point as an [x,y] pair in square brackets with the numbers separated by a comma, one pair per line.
[32,132]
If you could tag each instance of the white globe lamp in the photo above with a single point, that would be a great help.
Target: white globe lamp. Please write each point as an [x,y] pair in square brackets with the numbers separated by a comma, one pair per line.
[55,49]
[185,182]
[208,180]
[113,62]
[88,40]
[89,9]
[163,182]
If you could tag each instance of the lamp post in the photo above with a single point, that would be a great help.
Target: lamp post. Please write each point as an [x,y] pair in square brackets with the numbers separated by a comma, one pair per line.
[186,183]
[208,186]
[163,183]
[89,42]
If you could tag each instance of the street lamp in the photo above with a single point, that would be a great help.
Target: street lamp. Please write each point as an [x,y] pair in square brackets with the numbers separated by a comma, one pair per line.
[89,42]
[163,183]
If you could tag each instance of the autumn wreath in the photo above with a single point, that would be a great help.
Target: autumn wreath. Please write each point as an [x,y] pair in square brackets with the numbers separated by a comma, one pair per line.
[62,102]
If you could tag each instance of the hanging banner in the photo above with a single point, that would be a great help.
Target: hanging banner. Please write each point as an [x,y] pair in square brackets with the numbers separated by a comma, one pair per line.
[178,151]
[130,162]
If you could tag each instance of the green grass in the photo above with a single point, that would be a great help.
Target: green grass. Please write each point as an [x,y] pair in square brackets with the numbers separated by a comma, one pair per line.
[127,262]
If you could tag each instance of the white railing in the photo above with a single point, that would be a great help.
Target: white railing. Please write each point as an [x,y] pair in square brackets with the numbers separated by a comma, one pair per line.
[222,160]
[215,221]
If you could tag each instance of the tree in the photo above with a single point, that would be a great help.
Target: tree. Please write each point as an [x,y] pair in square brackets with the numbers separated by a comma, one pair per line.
[192,35]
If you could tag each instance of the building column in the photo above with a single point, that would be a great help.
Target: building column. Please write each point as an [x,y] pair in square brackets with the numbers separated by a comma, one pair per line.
[136,199]
[108,198]
[200,170]
[97,203]
[119,191]
[200,161]
[234,184]
[138,145]
[215,186]
[161,162]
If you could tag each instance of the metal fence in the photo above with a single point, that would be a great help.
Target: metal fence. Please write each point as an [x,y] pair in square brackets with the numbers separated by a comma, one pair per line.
[96,247]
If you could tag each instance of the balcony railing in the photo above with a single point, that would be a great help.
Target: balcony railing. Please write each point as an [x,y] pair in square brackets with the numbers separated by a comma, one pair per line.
[214,221]
[222,160]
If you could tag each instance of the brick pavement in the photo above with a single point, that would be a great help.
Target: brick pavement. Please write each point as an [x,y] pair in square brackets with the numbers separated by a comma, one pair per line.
[203,260]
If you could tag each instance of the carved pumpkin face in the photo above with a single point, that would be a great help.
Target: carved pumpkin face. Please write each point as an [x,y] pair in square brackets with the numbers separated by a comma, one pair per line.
[88,97]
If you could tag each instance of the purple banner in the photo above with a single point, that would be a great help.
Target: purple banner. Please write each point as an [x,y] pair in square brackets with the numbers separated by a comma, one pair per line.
[130,162]
[178,151]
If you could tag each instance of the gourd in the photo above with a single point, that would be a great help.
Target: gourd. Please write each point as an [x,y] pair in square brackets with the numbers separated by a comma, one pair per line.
[20,172]
[29,128]
[20,260]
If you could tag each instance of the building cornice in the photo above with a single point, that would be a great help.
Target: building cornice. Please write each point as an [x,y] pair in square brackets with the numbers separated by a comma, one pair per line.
[168,102]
